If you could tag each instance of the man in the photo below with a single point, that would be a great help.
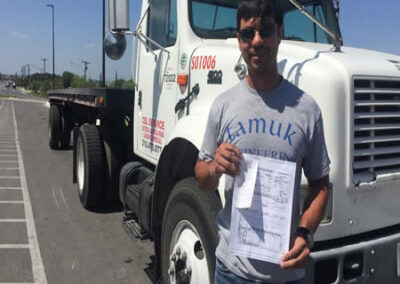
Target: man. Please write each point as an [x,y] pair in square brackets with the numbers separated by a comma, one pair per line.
[266,115]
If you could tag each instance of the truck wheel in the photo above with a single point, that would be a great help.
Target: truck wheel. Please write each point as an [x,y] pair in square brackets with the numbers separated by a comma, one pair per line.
[54,127]
[112,173]
[189,235]
[90,166]
[66,128]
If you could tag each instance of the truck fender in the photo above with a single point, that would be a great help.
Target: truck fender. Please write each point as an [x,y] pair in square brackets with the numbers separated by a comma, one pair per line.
[184,130]
[177,161]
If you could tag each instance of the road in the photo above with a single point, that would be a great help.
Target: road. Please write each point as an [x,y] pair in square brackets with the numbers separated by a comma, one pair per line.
[16,93]
[45,234]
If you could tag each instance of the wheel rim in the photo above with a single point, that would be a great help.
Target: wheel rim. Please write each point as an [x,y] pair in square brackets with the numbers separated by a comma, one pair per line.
[81,166]
[187,259]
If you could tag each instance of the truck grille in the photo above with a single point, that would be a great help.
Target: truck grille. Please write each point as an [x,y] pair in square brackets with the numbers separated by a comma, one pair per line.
[376,128]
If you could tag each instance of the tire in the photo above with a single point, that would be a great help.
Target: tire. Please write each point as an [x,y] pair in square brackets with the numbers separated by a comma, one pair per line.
[112,173]
[90,167]
[189,235]
[54,127]
[65,137]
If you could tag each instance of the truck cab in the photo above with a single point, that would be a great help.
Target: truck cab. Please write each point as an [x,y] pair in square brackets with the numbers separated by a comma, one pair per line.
[142,145]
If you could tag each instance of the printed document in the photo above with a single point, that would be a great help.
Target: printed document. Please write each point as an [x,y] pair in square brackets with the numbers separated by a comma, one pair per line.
[246,182]
[262,215]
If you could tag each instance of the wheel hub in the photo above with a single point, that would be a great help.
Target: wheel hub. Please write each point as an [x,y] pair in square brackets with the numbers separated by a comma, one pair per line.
[188,263]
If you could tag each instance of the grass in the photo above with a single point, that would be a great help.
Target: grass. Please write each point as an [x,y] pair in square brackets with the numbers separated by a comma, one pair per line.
[30,92]
[27,92]
[41,95]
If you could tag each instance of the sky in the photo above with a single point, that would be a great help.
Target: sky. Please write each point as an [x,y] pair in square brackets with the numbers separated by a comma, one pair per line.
[26,34]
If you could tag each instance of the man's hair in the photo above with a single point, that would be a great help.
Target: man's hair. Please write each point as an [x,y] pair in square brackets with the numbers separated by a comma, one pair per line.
[259,9]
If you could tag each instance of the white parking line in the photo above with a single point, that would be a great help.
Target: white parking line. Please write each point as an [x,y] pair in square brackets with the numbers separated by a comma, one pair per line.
[12,220]
[7,187]
[38,270]
[18,283]
[14,246]
[11,202]
[9,177]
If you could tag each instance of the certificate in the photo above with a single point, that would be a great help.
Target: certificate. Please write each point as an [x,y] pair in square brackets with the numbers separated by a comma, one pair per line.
[260,228]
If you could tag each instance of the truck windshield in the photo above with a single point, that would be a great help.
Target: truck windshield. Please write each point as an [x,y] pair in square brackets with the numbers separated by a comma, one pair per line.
[217,19]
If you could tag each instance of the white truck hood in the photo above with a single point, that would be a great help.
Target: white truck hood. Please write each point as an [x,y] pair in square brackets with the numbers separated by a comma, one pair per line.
[358,61]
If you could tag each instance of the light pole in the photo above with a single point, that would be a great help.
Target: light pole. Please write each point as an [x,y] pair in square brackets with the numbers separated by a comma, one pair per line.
[103,79]
[52,10]
[44,65]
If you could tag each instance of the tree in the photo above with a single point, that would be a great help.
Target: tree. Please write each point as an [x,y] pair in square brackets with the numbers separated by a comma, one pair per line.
[34,85]
[67,79]
[129,85]
[45,86]
[119,83]
[80,82]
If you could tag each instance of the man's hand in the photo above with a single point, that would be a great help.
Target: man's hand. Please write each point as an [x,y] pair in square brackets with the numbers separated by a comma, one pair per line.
[298,256]
[226,161]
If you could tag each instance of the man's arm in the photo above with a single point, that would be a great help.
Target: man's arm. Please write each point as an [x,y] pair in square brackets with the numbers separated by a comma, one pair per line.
[226,161]
[314,207]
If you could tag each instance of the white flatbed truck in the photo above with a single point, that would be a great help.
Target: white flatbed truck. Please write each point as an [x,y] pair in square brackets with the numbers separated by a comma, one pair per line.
[142,145]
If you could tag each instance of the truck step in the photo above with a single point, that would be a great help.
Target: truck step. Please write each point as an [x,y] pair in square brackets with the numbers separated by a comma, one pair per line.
[133,229]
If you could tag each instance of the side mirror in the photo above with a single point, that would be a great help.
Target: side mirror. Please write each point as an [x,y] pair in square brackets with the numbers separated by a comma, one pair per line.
[114,45]
[118,15]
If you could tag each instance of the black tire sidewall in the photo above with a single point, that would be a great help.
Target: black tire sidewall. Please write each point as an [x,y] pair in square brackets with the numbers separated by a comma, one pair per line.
[93,187]
[187,202]
[54,127]
[112,173]
[66,127]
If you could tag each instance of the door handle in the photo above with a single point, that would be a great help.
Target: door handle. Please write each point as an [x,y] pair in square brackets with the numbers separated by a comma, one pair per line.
[182,102]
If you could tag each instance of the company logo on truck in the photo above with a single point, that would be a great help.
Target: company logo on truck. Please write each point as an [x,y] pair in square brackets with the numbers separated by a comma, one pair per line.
[152,134]
[204,62]
[170,78]
[214,77]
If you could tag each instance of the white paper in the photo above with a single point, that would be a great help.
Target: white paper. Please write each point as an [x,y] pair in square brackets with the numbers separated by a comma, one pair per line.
[262,231]
[245,183]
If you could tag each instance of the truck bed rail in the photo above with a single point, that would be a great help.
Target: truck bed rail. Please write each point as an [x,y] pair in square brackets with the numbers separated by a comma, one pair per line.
[93,97]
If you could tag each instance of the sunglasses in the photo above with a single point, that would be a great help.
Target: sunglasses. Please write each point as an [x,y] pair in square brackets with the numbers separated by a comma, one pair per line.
[264,32]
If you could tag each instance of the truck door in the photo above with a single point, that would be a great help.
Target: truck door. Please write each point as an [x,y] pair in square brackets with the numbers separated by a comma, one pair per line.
[156,78]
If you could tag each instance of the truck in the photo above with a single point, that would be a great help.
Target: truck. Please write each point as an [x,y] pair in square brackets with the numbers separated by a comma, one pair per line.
[140,147]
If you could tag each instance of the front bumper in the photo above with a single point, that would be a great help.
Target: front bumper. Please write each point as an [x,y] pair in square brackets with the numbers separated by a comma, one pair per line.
[375,261]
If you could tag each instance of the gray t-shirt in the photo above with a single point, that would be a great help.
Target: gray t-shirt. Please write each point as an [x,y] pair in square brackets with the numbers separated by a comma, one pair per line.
[284,123]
